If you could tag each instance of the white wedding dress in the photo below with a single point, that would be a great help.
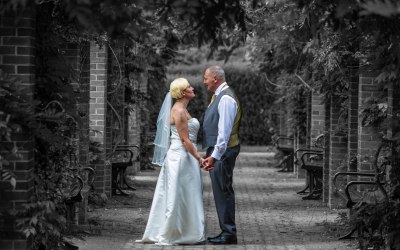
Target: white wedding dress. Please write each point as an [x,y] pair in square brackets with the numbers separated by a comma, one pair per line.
[177,212]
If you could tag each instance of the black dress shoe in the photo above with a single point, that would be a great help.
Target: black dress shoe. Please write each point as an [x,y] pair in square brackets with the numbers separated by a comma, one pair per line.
[211,238]
[224,240]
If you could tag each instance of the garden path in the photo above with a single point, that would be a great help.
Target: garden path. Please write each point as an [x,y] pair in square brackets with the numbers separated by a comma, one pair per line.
[270,215]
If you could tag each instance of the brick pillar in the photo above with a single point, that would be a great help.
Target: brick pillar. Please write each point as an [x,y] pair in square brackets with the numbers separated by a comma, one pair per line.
[327,146]
[393,122]
[320,117]
[368,137]
[17,39]
[83,113]
[317,116]
[301,173]
[116,94]
[98,108]
[337,154]
[283,119]
[352,140]
[308,119]
[78,57]
[137,82]
[144,116]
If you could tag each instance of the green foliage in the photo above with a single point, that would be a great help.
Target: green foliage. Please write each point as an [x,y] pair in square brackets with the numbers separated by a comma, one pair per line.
[374,112]
[379,224]
[143,20]
[255,101]
[281,33]
[44,221]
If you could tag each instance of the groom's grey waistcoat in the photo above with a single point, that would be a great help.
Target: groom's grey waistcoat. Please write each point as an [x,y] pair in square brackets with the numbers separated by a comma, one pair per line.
[211,118]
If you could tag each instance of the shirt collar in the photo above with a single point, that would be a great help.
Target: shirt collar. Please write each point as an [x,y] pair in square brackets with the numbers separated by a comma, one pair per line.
[221,87]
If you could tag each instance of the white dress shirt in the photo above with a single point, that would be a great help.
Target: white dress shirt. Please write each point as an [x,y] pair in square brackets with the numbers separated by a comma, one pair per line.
[227,109]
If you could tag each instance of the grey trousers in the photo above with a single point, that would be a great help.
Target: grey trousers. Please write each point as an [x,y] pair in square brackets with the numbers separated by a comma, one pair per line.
[224,196]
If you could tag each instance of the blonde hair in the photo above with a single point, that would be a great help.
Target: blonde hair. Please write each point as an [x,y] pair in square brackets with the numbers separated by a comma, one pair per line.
[177,86]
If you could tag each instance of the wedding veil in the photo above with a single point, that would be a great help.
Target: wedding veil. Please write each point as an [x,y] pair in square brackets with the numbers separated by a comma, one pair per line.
[162,139]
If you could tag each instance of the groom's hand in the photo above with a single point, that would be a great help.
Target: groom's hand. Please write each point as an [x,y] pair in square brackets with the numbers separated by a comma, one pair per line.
[208,164]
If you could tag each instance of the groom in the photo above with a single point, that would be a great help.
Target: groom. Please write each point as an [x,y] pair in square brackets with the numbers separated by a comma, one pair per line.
[220,137]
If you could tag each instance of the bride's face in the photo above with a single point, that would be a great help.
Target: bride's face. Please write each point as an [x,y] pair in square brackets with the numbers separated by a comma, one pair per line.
[189,92]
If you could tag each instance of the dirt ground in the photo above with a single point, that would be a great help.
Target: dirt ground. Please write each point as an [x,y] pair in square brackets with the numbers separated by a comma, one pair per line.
[270,215]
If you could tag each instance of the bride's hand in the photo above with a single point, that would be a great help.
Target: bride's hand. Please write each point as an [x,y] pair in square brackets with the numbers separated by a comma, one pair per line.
[201,161]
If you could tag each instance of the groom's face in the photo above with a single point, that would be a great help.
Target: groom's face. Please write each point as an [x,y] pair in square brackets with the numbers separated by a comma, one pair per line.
[210,81]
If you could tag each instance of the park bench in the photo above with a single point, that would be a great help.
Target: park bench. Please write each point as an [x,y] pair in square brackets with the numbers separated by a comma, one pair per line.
[311,160]
[285,145]
[364,190]
[123,157]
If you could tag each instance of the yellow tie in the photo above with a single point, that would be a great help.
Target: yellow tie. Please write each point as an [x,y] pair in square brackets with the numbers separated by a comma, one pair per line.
[212,99]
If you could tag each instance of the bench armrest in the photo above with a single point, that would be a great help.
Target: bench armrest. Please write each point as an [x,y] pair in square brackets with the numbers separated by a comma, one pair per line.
[303,150]
[339,174]
[309,154]
[132,148]
[350,203]
[122,155]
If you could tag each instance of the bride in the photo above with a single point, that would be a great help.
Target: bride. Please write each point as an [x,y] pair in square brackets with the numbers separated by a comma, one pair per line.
[177,213]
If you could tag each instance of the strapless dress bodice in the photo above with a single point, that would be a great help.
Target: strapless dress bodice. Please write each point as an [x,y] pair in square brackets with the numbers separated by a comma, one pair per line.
[193,126]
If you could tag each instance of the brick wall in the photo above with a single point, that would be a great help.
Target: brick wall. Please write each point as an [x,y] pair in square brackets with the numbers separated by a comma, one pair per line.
[17,36]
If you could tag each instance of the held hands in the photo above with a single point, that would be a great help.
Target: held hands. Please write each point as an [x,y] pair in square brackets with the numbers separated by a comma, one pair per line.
[207,163]
[201,161]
